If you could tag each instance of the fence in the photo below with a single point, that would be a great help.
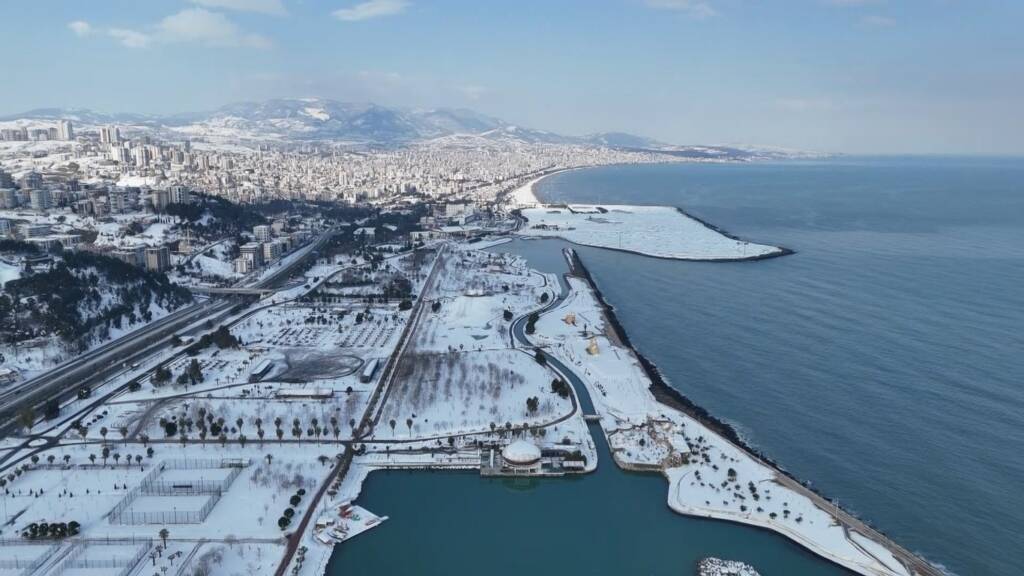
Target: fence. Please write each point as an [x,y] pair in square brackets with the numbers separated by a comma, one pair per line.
[151,485]
[125,564]
[74,558]
[26,565]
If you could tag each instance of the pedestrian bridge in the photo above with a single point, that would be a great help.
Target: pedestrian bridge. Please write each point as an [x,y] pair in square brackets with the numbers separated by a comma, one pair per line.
[232,290]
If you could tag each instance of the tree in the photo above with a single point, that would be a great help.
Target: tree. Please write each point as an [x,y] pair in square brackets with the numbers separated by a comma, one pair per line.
[531,322]
[558,386]
[103,432]
[532,404]
[223,338]
[539,356]
[392,424]
[164,533]
[124,433]
[507,315]
[161,376]
[195,372]
[408,423]
[27,417]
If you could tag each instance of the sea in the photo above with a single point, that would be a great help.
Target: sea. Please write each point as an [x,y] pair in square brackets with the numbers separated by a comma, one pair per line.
[883,363]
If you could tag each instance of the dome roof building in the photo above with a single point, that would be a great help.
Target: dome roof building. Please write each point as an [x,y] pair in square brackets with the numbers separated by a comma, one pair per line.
[521,455]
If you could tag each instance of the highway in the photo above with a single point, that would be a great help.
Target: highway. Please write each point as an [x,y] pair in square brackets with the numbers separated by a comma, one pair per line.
[106,360]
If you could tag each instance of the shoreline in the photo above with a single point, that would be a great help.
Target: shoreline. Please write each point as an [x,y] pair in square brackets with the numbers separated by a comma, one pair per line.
[525,196]
[782,251]
[671,397]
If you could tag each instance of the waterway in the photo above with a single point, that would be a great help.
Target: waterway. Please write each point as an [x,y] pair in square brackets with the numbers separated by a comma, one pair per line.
[609,522]
[882,362]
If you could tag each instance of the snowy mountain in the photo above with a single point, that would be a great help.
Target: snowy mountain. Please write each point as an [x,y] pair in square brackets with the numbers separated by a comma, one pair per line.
[298,120]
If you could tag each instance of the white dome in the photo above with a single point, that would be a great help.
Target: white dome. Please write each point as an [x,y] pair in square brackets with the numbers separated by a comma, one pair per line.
[521,452]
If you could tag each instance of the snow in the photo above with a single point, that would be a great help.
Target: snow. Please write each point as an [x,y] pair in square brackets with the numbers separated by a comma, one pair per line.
[8,272]
[660,231]
[708,475]
[524,196]
[137,181]
[316,112]
[459,394]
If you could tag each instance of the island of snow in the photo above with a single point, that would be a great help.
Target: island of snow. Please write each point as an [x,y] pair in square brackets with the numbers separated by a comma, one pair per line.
[659,231]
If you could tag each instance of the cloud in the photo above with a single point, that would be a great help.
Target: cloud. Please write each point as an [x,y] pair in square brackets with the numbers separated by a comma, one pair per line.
[192,26]
[200,26]
[130,38]
[695,8]
[273,7]
[876,21]
[472,92]
[370,9]
[81,28]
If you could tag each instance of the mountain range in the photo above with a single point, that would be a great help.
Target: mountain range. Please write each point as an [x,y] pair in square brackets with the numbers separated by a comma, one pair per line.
[304,120]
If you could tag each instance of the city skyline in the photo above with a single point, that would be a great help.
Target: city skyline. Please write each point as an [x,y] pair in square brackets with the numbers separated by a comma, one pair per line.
[856,76]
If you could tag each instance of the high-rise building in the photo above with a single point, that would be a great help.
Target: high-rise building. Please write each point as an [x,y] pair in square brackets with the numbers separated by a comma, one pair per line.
[158,258]
[179,195]
[110,135]
[134,256]
[255,251]
[5,180]
[65,130]
[272,251]
[160,200]
[5,227]
[40,200]
[8,198]
[262,233]
[31,180]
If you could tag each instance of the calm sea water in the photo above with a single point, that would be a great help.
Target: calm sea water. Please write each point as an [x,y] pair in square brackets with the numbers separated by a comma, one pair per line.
[884,362]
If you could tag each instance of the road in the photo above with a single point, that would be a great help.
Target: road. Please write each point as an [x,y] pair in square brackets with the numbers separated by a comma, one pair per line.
[850,523]
[107,360]
[367,422]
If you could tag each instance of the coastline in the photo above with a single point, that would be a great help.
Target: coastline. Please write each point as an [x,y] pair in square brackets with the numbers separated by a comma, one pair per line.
[782,251]
[671,397]
[526,197]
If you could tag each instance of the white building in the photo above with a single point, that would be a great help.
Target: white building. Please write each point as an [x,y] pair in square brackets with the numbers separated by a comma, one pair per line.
[110,135]
[65,131]
[521,457]
[262,233]
[40,200]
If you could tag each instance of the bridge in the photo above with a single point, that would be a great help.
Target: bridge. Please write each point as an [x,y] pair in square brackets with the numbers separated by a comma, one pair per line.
[233,290]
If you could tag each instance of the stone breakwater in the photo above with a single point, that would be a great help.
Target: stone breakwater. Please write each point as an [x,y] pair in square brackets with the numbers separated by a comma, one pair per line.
[719,567]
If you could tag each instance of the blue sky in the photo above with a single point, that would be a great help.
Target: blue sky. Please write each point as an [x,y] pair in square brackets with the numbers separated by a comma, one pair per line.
[885,76]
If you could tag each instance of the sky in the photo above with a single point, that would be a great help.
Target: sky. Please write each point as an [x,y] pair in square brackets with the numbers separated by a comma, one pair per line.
[854,76]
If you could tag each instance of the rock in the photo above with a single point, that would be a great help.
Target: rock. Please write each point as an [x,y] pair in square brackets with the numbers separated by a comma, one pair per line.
[719,567]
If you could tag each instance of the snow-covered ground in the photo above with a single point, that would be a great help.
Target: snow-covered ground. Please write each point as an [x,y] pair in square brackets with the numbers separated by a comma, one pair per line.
[708,476]
[523,197]
[8,272]
[661,231]
[460,391]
